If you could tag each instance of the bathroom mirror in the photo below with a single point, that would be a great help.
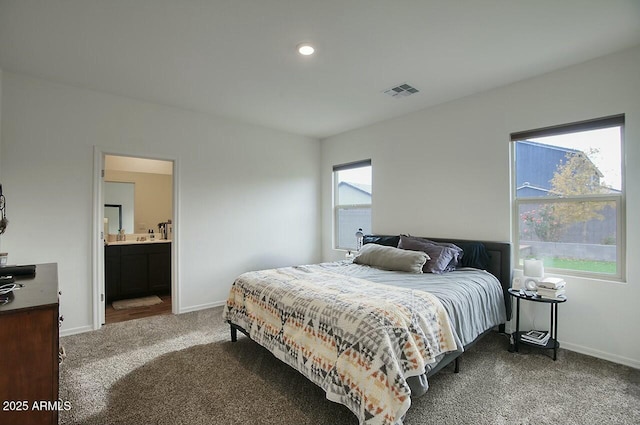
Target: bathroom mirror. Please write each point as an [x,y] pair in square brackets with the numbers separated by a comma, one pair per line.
[122,195]
[113,216]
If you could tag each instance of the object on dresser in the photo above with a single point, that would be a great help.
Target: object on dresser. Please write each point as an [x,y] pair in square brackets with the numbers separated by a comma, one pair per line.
[29,270]
[536,337]
[3,212]
[6,279]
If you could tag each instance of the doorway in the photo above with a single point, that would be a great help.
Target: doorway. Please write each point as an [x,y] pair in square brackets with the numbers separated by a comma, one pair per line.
[135,253]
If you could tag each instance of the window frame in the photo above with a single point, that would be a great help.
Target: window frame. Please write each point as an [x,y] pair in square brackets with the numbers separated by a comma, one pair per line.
[337,206]
[618,199]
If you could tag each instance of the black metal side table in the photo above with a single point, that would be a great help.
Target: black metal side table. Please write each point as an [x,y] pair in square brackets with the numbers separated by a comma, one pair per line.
[553,343]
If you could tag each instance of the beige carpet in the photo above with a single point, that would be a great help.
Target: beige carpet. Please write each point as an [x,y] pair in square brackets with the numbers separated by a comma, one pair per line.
[136,302]
[184,370]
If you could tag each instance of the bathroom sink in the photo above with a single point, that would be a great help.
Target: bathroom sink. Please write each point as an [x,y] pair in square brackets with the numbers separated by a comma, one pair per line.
[135,242]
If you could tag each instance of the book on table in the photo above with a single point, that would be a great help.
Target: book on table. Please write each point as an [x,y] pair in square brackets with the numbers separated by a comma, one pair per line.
[536,337]
[561,297]
[551,293]
[551,283]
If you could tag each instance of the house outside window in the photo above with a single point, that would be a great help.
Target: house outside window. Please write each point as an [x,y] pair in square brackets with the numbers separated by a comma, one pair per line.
[352,202]
[568,192]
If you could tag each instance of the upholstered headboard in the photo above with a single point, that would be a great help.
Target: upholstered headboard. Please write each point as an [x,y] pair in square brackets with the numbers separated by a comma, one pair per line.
[499,264]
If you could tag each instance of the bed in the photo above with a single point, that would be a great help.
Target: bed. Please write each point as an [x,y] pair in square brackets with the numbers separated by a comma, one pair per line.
[370,335]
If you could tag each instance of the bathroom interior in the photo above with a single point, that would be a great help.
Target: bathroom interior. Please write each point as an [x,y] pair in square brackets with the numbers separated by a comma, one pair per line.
[138,229]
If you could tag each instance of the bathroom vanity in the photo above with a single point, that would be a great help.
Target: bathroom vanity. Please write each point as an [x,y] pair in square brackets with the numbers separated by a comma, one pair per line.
[136,269]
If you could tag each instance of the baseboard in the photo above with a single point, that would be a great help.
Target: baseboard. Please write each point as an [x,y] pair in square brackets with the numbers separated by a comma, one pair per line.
[601,354]
[88,328]
[78,330]
[593,352]
[201,306]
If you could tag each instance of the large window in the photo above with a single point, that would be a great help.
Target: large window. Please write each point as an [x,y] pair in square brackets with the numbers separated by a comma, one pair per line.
[569,197]
[352,202]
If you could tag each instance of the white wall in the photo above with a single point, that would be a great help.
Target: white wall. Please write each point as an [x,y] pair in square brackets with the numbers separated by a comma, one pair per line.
[445,172]
[248,195]
[1,237]
[0,132]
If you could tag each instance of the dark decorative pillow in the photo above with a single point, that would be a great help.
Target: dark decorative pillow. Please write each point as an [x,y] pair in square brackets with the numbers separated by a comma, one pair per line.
[439,256]
[475,255]
[381,240]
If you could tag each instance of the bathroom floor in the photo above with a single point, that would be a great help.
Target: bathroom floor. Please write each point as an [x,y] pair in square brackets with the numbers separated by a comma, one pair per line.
[115,316]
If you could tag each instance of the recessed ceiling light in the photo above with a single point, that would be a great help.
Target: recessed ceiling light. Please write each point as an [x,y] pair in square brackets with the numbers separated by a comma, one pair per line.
[305,49]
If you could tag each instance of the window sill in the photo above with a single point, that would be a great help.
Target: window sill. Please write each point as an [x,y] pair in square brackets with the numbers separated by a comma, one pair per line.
[589,277]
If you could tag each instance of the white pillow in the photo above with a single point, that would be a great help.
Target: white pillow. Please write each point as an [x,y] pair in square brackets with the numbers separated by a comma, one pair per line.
[390,258]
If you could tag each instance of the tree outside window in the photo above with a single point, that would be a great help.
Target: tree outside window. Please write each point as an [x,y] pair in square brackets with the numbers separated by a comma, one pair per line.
[568,197]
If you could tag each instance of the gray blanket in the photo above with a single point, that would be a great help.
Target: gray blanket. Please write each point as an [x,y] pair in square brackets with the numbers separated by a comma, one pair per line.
[473,298]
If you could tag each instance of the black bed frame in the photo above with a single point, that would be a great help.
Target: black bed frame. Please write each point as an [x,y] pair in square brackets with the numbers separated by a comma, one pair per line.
[499,266]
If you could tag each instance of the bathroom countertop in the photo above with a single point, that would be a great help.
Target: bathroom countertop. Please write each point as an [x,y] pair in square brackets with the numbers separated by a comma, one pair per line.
[134,242]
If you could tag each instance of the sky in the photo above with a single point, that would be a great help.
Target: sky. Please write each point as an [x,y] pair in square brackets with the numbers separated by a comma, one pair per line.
[356,175]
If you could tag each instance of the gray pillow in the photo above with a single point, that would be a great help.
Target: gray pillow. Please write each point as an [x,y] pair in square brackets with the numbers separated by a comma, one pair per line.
[439,256]
[457,256]
[390,258]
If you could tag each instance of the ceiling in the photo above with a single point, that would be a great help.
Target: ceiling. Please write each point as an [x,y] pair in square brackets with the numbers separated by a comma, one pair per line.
[237,58]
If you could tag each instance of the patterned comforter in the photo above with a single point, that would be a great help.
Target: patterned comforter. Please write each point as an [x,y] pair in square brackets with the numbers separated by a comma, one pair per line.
[358,340]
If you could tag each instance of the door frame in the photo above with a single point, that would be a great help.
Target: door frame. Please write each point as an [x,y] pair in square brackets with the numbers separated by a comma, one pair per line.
[97,241]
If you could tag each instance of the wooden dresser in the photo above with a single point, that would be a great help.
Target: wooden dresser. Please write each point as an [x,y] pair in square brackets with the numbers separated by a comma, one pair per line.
[29,350]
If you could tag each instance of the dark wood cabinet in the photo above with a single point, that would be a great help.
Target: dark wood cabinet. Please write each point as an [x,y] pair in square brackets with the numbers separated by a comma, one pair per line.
[29,347]
[112,271]
[159,271]
[134,272]
[137,270]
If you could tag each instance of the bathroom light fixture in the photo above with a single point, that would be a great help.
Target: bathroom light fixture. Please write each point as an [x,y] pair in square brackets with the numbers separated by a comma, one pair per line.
[305,49]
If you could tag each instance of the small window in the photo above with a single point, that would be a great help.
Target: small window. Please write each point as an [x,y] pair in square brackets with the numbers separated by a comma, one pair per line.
[352,202]
[569,197]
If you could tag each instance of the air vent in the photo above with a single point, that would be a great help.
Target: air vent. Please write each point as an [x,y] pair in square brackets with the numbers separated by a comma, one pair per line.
[403,90]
